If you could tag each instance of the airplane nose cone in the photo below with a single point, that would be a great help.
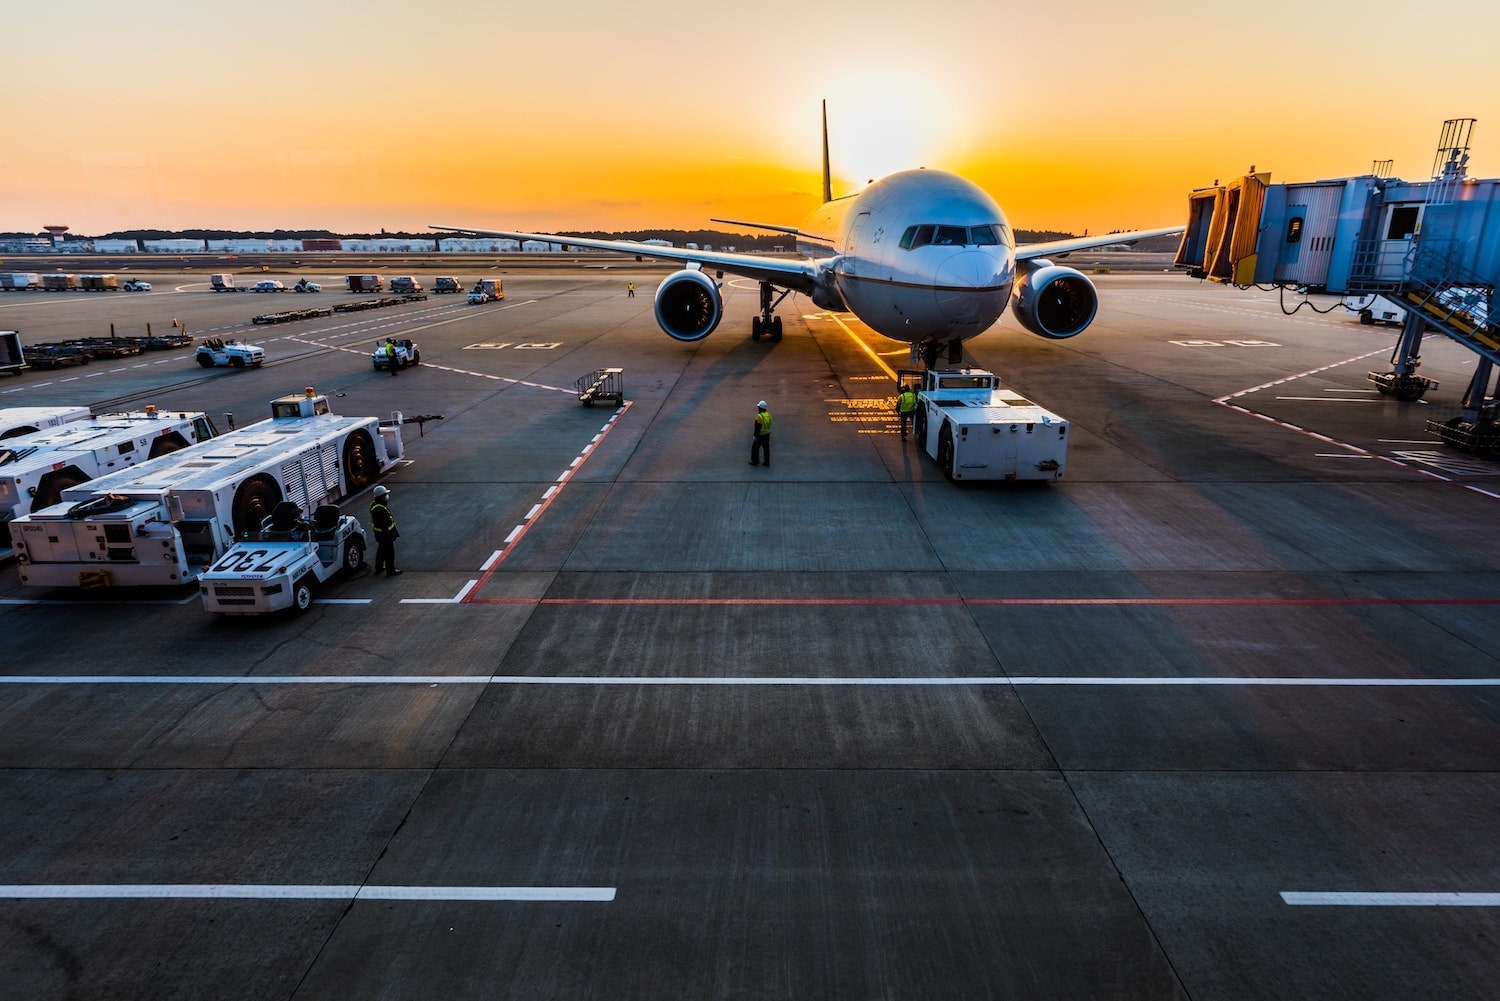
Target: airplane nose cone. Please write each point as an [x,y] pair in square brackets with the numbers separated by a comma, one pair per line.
[968,284]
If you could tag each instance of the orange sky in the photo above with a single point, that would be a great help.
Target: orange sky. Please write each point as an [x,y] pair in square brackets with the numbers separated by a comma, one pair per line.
[600,115]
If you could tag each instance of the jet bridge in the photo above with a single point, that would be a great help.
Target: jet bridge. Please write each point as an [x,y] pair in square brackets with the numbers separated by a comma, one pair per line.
[1431,246]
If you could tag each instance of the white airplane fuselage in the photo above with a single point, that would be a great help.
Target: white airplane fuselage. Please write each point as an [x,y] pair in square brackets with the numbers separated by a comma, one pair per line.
[916,255]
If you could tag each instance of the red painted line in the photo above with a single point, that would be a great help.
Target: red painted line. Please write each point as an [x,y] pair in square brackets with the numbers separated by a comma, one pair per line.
[1244,602]
[554,492]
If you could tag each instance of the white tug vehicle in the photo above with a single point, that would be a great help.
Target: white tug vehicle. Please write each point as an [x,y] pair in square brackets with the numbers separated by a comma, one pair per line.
[278,567]
[975,430]
[235,354]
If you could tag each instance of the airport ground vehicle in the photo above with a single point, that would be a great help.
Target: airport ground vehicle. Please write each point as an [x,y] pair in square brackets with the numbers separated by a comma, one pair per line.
[268,285]
[303,285]
[278,566]
[405,283]
[28,420]
[492,287]
[477,298]
[60,283]
[136,285]
[169,519]
[99,283]
[36,468]
[12,356]
[57,356]
[1375,309]
[363,283]
[977,431]
[223,283]
[20,281]
[407,355]
[445,283]
[235,354]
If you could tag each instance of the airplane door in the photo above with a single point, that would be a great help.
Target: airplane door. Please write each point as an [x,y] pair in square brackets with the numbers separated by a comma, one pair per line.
[856,252]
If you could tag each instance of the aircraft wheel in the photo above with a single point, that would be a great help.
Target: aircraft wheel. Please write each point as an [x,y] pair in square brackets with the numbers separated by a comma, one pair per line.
[756,328]
[302,595]
[945,451]
[775,328]
[354,555]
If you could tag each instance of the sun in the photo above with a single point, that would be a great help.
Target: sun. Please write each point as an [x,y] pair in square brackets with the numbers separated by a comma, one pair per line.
[881,123]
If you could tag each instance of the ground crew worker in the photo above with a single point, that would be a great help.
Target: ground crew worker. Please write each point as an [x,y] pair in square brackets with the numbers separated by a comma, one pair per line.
[906,405]
[630,290]
[383,524]
[390,355]
[761,443]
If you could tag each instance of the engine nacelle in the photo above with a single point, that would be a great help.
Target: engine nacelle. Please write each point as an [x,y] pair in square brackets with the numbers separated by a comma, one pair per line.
[1054,302]
[688,305]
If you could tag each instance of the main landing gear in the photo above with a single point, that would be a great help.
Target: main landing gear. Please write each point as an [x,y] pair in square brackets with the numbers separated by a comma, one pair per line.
[768,324]
[927,351]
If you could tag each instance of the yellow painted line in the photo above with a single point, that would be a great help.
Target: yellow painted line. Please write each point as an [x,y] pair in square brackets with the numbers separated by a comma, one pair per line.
[863,346]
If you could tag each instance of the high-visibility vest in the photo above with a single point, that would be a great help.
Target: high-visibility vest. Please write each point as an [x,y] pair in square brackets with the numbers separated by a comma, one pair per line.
[763,422]
[906,402]
[381,519]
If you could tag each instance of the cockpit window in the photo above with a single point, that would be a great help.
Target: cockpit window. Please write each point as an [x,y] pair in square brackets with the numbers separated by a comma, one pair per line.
[996,234]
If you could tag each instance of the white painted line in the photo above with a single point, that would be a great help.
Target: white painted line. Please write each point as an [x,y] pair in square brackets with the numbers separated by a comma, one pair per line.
[1326,399]
[575,462]
[277,891]
[549,491]
[576,679]
[532,513]
[463,592]
[495,555]
[342,601]
[513,533]
[1341,455]
[1321,899]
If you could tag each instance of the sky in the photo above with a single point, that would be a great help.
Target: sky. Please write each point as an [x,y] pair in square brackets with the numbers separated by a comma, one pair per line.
[601,115]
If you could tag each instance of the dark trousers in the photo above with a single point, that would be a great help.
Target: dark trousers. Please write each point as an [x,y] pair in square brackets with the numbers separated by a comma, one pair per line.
[760,445]
[905,420]
[385,552]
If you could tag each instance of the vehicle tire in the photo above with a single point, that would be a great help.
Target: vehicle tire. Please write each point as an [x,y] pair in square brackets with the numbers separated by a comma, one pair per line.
[162,444]
[360,464]
[416,357]
[755,328]
[301,596]
[50,487]
[919,427]
[945,450]
[253,502]
[237,362]
[1410,392]
[354,555]
[1366,318]
[775,328]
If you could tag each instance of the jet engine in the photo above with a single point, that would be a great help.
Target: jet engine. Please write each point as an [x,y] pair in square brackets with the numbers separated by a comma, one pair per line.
[1054,302]
[688,305]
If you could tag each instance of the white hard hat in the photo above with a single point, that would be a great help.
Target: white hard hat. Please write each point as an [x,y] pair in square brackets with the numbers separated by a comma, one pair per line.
[761,404]
[381,491]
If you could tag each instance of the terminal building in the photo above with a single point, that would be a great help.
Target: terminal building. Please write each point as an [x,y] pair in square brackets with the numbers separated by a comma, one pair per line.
[1430,248]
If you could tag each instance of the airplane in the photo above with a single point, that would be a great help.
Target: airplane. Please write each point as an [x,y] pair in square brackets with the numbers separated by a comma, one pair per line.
[921,256]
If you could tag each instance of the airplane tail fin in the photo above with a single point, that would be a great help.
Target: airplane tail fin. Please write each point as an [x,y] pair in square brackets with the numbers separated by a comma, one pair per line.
[827,175]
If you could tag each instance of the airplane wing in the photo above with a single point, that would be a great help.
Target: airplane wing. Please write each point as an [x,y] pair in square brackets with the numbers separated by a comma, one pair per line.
[1053,248]
[801,275]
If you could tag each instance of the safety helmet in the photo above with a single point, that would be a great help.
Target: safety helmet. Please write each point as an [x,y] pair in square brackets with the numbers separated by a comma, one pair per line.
[381,491]
[761,405]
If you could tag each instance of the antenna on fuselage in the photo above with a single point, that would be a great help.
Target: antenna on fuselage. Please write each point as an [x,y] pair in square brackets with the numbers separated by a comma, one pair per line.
[827,174]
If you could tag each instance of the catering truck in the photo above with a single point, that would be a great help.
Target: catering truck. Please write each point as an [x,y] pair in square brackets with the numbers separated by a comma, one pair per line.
[167,520]
[36,468]
[975,430]
[29,420]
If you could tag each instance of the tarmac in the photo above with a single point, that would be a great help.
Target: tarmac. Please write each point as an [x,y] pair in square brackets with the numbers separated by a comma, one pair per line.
[1213,717]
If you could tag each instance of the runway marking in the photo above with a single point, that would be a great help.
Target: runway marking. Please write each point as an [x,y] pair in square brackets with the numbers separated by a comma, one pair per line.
[552,493]
[292,891]
[429,365]
[800,681]
[457,598]
[1312,898]
[858,340]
